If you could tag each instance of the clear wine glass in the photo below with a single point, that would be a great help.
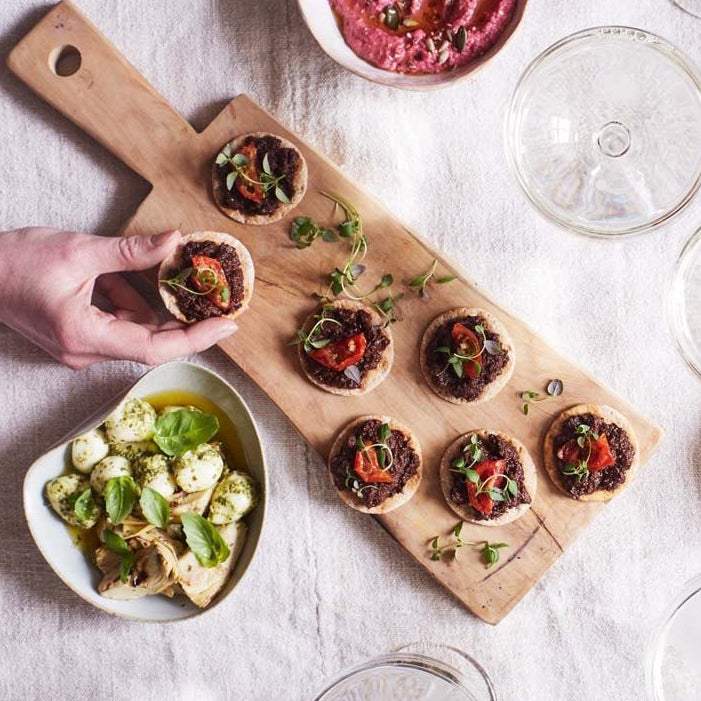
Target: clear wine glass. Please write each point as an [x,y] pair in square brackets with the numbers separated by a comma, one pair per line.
[693,7]
[420,672]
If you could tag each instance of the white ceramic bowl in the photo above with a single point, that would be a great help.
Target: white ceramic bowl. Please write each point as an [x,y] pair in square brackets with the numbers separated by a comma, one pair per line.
[54,540]
[322,23]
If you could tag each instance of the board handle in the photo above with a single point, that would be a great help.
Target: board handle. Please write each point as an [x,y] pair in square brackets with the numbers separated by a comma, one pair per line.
[66,60]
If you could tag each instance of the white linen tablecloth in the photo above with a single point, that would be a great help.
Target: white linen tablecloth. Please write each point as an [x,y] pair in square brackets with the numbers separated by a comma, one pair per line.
[329,588]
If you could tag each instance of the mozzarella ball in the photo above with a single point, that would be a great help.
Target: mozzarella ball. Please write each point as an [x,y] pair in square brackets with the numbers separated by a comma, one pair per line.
[132,420]
[233,498]
[134,450]
[199,469]
[87,450]
[110,467]
[62,493]
[152,471]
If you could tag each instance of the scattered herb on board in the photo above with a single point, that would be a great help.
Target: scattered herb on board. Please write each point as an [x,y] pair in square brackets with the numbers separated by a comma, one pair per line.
[388,309]
[204,540]
[421,282]
[554,389]
[120,497]
[311,343]
[457,360]
[489,551]
[182,430]
[239,163]
[119,546]
[304,231]
[154,507]
[474,454]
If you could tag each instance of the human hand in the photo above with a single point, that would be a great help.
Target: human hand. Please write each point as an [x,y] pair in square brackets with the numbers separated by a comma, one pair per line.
[47,280]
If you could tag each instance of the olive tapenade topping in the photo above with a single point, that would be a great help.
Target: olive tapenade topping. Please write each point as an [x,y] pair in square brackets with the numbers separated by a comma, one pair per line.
[466,356]
[345,347]
[487,477]
[592,455]
[258,177]
[373,461]
[211,283]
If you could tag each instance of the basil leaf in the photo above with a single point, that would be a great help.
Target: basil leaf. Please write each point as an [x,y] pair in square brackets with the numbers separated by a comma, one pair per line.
[231,179]
[204,540]
[458,529]
[472,476]
[154,507]
[120,547]
[446,279]
[385,433]
[353,373]
[221,159]
[182,430]
[281,196]
[120,497]
[84,506]
[387,280]
[493,347]
[240,160]
[266,165]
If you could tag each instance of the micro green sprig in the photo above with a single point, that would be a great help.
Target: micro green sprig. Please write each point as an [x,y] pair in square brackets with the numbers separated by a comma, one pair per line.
[489,551]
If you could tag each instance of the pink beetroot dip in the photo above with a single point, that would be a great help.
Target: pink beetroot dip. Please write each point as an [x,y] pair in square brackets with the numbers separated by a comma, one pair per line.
[422,36]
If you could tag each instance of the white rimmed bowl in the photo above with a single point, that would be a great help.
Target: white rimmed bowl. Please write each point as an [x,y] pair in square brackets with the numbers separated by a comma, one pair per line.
[322,23]
[55,541]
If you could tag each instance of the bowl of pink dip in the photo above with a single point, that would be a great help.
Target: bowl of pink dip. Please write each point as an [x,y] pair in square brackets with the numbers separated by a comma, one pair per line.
[412,44]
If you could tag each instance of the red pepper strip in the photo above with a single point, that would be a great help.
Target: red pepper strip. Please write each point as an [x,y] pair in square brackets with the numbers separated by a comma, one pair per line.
[368,468]
[341,354]
[208,274]
[466,342]
[251,191]
[483,502]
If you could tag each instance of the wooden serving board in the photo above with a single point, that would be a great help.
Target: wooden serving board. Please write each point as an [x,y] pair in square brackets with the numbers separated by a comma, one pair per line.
[110,100]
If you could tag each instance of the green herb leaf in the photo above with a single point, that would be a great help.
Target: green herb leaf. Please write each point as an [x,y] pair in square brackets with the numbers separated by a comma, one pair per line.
[231,179]
[392,17]
[240,160]
[384,433]
[120,497]
[329,236]
[84,506]
[221,159]
[204,540]
[182,430]
[446,279]
[154,507]
[120,547]
[387,281]
[266,165]
[281,196]
[460,38]
[458,529]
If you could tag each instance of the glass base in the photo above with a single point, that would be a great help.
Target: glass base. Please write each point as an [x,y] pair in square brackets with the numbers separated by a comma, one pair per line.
[419,671]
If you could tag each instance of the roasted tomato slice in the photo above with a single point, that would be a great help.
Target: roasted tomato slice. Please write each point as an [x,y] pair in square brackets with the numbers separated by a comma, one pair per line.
[570,452]
[601,455]
[466,342]
[483,502]
[251,191]
[341,354]
[207,275]
[368,468]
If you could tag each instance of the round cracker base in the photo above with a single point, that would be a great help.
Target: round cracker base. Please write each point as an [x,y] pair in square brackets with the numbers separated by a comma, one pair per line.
[494,325]
[396,500]
[373,377]
[609,415]
[530,479]
[174,261]
[299,184]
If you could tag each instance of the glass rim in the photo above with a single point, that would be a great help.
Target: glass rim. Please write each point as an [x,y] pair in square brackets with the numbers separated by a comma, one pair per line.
[653,650]
[510,130]
[676,312]
[402,658]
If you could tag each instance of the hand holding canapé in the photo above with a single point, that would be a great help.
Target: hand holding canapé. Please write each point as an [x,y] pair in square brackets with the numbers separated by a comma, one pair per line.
[47,282]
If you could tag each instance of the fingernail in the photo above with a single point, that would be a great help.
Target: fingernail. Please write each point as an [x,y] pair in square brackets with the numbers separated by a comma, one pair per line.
[226,329]
[160,239]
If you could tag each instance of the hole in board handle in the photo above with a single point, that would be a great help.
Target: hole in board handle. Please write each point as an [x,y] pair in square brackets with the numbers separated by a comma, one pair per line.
[65,60]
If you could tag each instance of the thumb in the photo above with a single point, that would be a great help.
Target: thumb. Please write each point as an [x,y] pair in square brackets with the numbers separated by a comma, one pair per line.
[114,254]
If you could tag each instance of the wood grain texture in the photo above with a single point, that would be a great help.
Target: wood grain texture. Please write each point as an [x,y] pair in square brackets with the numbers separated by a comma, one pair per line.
[110,100]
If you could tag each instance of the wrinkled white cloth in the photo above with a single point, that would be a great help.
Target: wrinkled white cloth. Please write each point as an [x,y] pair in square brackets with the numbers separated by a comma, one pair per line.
[329,588]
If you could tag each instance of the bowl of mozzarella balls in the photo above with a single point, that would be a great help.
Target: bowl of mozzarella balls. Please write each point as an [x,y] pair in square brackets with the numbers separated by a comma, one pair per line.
[153,509]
